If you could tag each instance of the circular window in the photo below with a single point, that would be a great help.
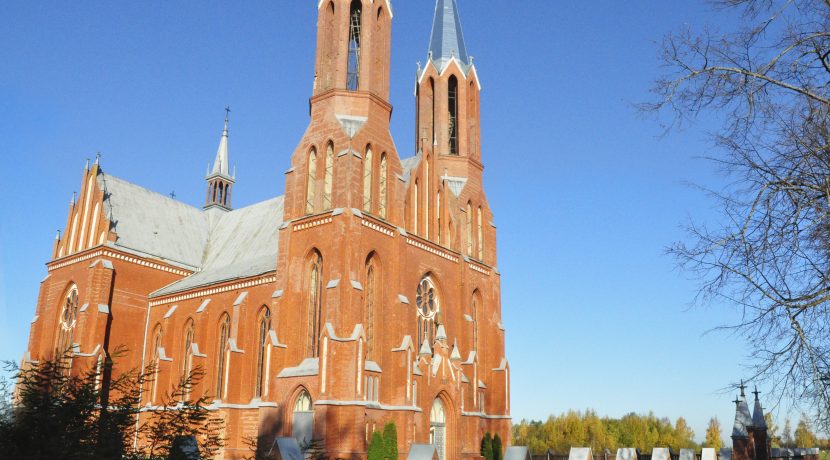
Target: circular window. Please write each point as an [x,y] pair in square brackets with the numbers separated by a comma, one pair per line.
[69,315]
[426,300]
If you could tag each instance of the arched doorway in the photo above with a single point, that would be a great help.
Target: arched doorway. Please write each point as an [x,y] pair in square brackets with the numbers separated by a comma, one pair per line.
[302,420]
[438,428]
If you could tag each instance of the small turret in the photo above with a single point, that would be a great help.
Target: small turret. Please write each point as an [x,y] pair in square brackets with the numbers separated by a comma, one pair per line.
[219,180]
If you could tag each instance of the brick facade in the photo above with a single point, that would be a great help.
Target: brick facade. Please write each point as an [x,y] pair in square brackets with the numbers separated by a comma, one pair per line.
[368,240]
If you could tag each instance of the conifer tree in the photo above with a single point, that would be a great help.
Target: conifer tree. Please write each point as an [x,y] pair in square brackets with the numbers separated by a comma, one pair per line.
[390,441]
[487,447]
[376,447]
[497,448]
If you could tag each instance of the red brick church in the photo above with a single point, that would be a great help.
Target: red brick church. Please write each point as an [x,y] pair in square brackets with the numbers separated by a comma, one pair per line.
[369,292]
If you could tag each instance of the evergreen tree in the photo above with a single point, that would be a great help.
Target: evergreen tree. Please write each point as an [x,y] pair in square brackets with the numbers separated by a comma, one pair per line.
[376,447]
[487,447]
[713,435]
[390,441]
[497,448]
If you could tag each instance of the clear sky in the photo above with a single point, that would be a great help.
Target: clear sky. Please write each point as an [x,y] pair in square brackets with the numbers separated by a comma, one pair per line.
[586,193]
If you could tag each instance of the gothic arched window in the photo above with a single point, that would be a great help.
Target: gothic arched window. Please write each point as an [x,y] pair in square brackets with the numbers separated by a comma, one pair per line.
[311,185]
[415,209]
[262,348]
[370,307]
[474,316]
[438,428]
[355,26]
[426,300]
[302,420]
[329,177]
[156,363]
[222,354]
[469,229]
[368,172]
[67,323]
[315,279]
[382,188]
[480,234]
[187,358]
[452,101]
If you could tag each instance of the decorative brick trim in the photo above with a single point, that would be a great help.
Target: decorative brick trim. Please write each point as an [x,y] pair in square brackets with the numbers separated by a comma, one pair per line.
[312,223]
[479,269]
[378,228]
[119,256]
[216,290]
[432,249]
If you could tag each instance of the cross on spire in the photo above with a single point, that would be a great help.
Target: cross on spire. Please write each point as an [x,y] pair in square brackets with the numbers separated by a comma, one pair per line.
[756,393]
[742,387]
[173,194]
[227,112]
[737,400]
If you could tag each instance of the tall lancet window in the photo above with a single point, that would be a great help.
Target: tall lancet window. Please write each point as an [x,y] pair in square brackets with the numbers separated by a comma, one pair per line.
[66,329]
[262,348]
[187,359]
[368,172]
[329,179]
[315,277]
[452,99]
[469,229]
[370,309]
[382,191]
[438,215]
[222,353]
[355,23]
[156,363]
[312,181]
[480,234]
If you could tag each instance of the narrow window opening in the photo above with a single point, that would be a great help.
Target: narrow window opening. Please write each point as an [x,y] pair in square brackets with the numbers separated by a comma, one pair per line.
[370,311]
[353,79]
[368,172]
[221,355]
[452,99]
[264,328]
[469,229]
[312,182]
[314,306]
[480,234]
[382,192]
[329,179]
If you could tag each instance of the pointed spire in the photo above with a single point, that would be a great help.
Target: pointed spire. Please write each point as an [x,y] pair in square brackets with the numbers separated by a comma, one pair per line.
[441,334]
[455,355]
[743,419]
[758,412]
[221,163]
[447,40]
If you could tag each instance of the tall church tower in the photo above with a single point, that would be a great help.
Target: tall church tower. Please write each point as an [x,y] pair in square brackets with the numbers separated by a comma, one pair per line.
[219,179]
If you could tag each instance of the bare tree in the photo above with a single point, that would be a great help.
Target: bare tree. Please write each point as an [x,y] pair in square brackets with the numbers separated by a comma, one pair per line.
[769,253]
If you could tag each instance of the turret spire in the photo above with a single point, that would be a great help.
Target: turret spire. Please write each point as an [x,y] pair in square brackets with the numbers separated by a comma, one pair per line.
[758,412]
[219,180]
[447,38]
[220,164]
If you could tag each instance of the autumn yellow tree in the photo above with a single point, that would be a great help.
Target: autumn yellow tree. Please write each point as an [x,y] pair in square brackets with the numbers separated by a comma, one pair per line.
[713,436]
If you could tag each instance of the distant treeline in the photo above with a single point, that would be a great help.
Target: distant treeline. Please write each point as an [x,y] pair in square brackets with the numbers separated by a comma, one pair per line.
[586,429]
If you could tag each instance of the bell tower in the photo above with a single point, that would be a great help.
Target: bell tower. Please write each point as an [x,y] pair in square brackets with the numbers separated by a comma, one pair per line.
[350,112]
[219,179]
[353,38]
[448,91]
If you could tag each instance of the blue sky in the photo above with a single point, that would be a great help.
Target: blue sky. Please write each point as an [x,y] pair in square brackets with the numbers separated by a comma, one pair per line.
[586,193]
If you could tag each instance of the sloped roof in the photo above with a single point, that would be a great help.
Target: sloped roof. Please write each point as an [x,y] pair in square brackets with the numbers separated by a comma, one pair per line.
[154,224]
[447,40]
[409,164]
[233,245]
[743,420]
[243,243]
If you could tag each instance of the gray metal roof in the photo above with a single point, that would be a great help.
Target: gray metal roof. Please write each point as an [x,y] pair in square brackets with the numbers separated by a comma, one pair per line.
[220,164]
[154,224]
[743,419]
[447,38]
[409,164]
[516,453]
[242,243]
[758,414]
[223,247]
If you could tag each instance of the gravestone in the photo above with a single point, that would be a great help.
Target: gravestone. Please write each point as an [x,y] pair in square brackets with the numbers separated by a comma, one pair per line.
[626,453]
[580,453]
[287,449]
[422,452]
[185,448]
[661,453]
[517,453]
[687,454]
[708,453]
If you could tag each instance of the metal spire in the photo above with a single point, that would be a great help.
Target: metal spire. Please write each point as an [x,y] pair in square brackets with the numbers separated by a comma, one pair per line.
[447,40]
[220,164]
[758,412]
